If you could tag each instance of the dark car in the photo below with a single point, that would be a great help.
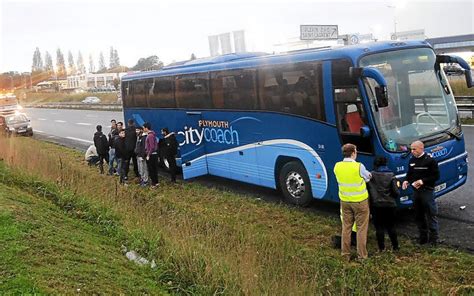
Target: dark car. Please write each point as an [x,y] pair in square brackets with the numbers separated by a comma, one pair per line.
[16,124]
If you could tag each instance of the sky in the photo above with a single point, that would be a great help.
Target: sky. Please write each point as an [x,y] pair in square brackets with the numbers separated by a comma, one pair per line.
[173,30]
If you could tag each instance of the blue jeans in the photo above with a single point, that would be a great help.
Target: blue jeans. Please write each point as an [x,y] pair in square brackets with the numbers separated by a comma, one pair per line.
[426,215]
[112,158]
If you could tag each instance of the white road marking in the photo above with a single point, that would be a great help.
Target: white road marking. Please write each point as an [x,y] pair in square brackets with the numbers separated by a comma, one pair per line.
[51,136]
[60,121]
[42,119]
[41,132]
[83,123]
[81,140]
[93,116]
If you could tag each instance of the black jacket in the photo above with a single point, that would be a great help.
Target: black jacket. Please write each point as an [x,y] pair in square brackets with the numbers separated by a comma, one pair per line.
[424,168]
[112,135]
[140,146]
[101,143]
[120,151]
[130,138]
[383,188]
[170,145]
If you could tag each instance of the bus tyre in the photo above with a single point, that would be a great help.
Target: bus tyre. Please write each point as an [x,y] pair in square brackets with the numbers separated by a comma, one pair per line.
[294,183]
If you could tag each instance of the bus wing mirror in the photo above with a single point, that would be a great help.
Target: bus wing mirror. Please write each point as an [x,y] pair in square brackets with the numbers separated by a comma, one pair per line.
[380,91]
[446,59]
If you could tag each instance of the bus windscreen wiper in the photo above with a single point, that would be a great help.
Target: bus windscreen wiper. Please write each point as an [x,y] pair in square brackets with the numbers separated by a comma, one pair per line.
[452,134]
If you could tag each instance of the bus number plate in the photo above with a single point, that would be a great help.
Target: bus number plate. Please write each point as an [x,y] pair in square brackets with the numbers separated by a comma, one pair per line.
[440,187]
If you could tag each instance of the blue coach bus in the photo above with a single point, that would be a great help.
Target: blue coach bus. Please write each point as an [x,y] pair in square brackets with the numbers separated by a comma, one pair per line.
[279,120]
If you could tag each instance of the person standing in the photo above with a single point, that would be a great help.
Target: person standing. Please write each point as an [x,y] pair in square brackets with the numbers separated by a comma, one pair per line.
[383,192]
[351,178]
[422,174]
[151,149]
[112,135]
[170,149]
[141,156]
[121,154]
[102,146]
[130,142]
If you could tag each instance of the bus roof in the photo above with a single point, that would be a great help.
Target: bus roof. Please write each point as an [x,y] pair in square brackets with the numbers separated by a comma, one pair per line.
[256,59]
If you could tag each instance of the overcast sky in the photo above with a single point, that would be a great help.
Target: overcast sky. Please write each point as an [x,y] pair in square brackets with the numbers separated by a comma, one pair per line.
[173,30]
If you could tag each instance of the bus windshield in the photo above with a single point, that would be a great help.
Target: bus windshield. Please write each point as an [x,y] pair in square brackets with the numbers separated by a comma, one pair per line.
[421,104]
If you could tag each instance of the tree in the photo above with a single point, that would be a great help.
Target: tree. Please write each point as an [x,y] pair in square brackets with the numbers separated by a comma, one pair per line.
[116,59]
[149,63]
[60,65]
[102,67]
[111,58]
[71,64]
[80,63]
[48,64]
[91,64]
[37,62]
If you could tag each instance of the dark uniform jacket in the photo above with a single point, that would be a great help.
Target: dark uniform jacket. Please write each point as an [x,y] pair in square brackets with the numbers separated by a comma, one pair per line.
[424,168]
[383,188]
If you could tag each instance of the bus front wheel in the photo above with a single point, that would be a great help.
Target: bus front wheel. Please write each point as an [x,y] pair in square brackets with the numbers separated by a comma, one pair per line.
[295,184]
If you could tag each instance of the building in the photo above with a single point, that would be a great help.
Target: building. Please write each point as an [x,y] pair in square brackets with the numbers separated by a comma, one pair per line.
[89,81]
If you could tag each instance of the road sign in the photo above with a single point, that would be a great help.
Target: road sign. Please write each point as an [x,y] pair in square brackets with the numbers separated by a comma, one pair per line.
[318,32]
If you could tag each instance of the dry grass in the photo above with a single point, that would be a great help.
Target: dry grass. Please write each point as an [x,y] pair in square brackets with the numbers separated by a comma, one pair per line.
[219,242]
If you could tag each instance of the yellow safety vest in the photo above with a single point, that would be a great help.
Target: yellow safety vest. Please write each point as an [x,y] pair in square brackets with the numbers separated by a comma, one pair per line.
[352,186]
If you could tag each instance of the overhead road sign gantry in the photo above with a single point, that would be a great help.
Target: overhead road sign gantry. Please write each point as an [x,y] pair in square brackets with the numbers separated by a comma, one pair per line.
[318,32]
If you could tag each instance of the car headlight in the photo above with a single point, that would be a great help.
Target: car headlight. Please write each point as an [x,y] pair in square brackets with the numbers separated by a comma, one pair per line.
[28,126]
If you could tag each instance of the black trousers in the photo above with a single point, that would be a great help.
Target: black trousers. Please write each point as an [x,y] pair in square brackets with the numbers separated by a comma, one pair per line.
[384,219]
[171,159]
[426,215]
[132,157]
[152,165]
[103,157]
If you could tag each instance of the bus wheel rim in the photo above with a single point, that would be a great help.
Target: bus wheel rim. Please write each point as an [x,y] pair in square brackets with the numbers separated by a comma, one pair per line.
[295,184]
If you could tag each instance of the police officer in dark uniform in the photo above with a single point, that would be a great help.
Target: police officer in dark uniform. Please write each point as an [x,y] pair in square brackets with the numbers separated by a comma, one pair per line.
[422,174]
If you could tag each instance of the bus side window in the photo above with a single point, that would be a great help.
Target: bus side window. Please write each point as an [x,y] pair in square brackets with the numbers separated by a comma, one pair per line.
[162,93]
[234,89]
[294,89]
[192,91]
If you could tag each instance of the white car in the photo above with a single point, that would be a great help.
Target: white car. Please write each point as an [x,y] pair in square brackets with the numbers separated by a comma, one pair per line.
[91,100]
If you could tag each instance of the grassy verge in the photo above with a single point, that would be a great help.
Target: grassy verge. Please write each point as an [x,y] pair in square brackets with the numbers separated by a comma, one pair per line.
[210,241]
[38,98]
[45,250]
[467,120]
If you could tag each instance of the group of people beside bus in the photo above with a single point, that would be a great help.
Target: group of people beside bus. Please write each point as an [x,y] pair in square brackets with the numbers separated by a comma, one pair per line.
[136,146]
[363,193]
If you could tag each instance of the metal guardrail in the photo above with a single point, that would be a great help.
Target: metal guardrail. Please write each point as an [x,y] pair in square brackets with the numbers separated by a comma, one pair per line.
[77,106]
[465,106]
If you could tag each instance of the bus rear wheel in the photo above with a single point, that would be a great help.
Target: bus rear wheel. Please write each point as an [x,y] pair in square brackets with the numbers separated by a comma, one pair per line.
[294,184]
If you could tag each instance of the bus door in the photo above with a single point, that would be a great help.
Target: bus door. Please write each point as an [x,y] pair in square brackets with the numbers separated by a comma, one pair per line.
[349,107]
[193,152]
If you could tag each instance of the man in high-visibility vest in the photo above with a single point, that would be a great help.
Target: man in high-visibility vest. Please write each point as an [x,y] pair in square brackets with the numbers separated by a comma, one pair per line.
[351,178]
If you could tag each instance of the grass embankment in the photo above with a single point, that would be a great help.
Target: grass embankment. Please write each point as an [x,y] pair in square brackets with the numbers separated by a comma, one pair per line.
[44,250]
[210,241]
[459,87]
[39,98]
